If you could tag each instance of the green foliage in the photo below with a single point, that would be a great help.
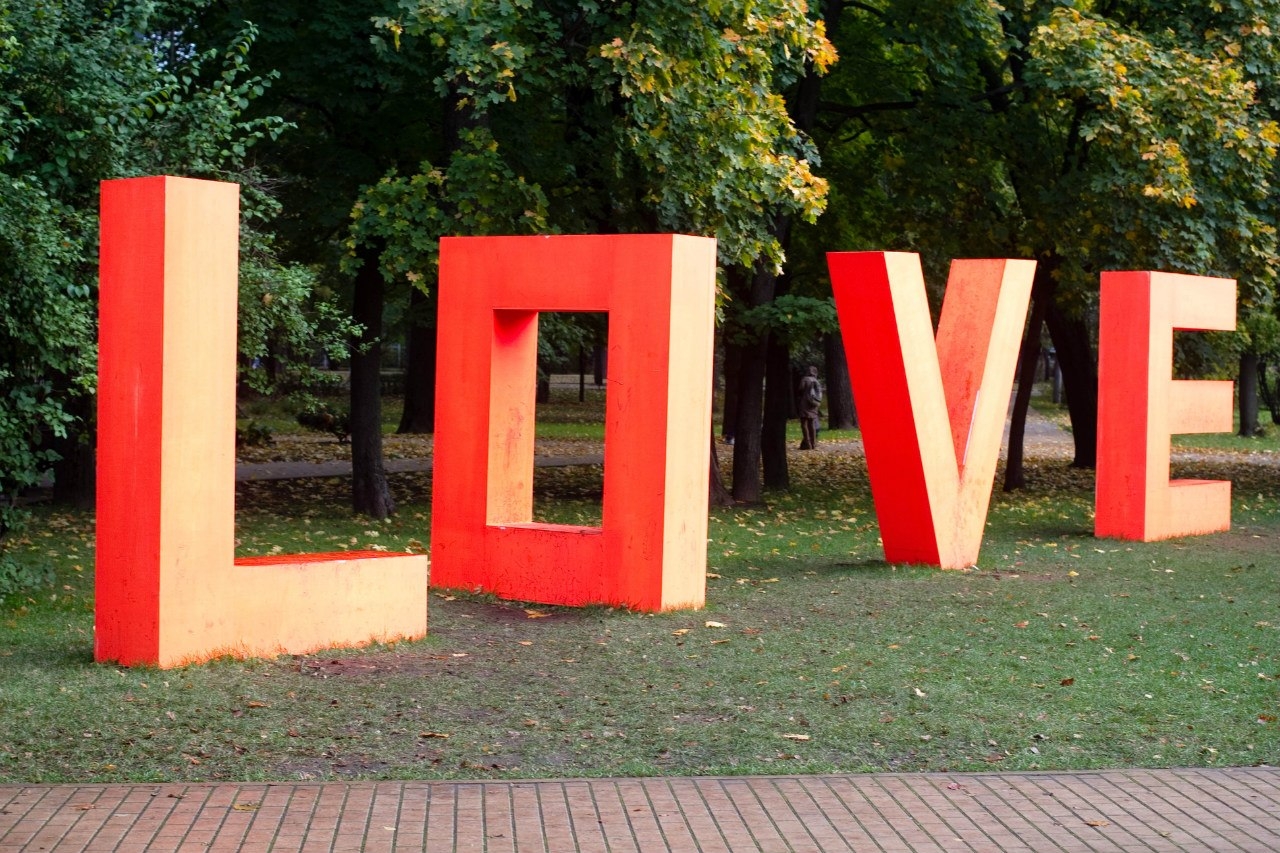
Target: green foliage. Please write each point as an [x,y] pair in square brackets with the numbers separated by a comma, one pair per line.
[798,319]
[285,319]
[1133,136]
[658,116]
[1179,160]
[254,434]
[90,91]
[322,418]
[476,194]
[16,576]
[706,125]
[561,337]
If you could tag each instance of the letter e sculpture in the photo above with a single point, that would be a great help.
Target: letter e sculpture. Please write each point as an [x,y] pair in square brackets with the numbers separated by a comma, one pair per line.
[1140,405]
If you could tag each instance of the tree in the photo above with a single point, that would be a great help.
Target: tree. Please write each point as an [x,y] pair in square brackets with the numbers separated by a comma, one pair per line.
[1087,136]
[357,113]
[284,320]
[84,97]
[595,118]
[713,135]
[650,116]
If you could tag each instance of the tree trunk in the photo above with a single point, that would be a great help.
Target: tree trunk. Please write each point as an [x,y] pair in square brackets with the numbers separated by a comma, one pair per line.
[778,406]
[748,424]
[370,494]
[1249,426]
[1029,361]
[1070,337]
[729,415]
[719,493]
[761,287]
[1269,393]
[599,361]
[419,415]
[841,413]
[542,393]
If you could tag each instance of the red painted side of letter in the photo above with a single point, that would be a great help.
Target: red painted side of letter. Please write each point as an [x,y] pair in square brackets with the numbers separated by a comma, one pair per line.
[130,352]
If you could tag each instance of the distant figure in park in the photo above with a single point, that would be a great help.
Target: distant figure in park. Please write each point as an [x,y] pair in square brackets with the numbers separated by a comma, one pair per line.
[809,402]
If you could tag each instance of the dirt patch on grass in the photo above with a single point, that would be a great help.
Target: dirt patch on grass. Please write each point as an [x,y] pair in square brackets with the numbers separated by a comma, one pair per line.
[494,614]
[487,630]
[376,665]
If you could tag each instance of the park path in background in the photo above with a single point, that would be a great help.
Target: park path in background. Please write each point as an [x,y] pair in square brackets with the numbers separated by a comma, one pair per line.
[1227,810]
[1044,438]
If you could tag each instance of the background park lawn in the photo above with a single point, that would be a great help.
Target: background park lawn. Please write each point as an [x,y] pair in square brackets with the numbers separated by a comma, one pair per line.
[1057,651]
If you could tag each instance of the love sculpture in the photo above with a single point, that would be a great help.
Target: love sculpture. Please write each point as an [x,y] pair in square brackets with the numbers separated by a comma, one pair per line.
[169,590]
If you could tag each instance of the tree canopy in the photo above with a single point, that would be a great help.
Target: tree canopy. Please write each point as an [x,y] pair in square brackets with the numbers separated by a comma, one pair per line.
[1086,135]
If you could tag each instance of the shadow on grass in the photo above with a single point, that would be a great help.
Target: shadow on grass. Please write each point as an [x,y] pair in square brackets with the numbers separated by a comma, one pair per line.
[47,653]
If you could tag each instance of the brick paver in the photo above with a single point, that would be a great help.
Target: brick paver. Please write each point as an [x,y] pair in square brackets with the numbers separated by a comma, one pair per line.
[1234,810]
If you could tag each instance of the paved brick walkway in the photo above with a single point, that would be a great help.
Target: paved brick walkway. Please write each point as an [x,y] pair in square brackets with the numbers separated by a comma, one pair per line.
[1180,811]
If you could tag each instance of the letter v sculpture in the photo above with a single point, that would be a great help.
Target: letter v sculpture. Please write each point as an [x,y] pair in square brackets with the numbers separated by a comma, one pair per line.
[931,414]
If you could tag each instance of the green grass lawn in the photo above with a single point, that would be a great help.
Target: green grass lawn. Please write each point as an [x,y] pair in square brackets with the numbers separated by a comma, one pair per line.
[1059,651]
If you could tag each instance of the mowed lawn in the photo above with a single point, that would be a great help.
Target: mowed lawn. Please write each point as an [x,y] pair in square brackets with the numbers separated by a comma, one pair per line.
[1057,651]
